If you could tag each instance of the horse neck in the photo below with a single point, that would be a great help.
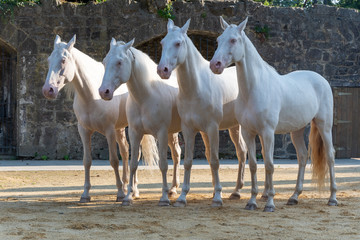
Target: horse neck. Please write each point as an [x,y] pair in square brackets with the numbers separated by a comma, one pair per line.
[188,71]
[87,77]
[139,82]
[249,70]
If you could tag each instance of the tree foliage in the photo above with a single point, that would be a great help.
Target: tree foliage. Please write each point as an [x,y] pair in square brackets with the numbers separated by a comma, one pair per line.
[349,4]
[308,3]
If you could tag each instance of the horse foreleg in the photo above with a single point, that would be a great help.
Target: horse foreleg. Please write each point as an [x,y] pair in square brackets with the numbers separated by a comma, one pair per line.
[267,143]
[251,146]
[135,139]
[189,138]
[240,146]
[162,137]
[297,138]
[124,152]
[85,136]
[173,142]
[114,162]
[213,134]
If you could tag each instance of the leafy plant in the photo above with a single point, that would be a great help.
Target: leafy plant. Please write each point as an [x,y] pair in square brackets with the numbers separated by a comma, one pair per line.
[262,32]
[44,157]
[7,6]
[167,11]
[203,15]
[66,157]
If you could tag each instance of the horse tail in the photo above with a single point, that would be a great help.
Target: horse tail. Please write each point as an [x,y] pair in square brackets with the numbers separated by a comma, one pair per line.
[149,150]
[318,156]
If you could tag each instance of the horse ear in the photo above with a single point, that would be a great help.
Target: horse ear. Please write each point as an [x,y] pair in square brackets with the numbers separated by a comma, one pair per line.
[113,42]
[129,44]
[170,24]
[57,40]
[223,23]
[186,26]
[71,43]
[242,25]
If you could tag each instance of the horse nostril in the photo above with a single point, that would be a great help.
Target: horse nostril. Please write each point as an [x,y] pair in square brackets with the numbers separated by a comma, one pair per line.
[166,69]
[218,64]
[51,90]
[107,91]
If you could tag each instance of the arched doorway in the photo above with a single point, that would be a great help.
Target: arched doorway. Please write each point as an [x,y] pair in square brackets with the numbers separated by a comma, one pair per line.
[7,101]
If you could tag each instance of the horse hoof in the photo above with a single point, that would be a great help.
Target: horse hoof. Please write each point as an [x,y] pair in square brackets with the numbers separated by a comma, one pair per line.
[119,199]
[216,204]
[126,203]
[180,204]
[251,206]
[85,199]
[136,195]
[292,201]
[164,203]
[264,198]
[269,209]
[234,196]
[332,202]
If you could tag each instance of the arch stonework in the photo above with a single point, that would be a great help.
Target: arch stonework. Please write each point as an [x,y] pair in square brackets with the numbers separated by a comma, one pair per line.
[323,39]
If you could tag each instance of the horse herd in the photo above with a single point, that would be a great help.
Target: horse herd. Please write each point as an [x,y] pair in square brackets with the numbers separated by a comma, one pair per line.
[185,92]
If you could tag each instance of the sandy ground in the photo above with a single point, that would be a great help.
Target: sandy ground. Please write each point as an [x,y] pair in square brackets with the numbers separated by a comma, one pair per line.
[44,205]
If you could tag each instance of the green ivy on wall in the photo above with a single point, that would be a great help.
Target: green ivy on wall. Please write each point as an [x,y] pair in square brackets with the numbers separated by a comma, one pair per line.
[7,6]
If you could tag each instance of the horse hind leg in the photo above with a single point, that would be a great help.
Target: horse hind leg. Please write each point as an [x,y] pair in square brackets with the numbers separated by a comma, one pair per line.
[240,146]
[297,138]
[326,136]
[173,142]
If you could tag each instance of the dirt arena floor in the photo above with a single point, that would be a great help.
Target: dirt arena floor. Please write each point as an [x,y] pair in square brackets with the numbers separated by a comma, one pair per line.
[44,205]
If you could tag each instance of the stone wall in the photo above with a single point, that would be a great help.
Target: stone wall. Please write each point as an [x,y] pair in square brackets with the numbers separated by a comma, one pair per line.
[323,39]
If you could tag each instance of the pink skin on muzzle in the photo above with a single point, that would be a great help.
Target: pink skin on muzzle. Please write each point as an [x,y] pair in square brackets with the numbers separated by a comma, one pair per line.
[49,91]
[216,66]
[163,71]
[106,93]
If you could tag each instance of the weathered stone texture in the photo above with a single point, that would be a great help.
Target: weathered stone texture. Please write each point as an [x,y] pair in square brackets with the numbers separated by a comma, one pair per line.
[323,39]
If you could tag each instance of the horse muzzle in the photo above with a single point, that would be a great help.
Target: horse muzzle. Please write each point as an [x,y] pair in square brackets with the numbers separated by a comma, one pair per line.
[164,72]
[49,92]
[216,66]
[106,93]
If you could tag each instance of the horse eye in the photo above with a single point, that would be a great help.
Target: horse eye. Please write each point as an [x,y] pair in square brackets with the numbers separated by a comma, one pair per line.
[63,61]
[177,44]
[233,40]
[119,63]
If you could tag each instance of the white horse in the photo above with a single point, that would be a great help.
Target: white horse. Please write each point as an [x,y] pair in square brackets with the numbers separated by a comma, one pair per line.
[205,103]
[151,108]
[270,103]
[69,65]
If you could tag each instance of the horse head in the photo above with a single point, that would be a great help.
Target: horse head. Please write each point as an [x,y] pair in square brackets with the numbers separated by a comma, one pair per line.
[61,67]
[118,65]
[174,50]
[231,47]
